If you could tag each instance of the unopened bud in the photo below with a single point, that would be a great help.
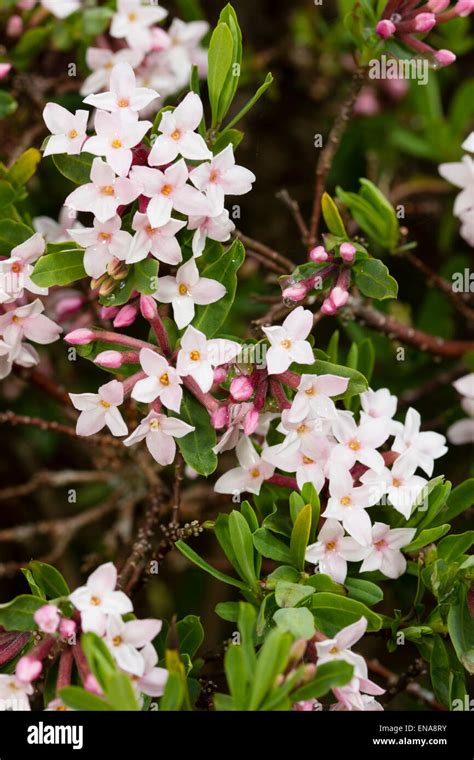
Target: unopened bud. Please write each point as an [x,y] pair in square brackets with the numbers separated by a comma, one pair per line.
[241,388]
[117,269]
[328,307]
[251,422]
[347,252]
[28,668]
[445,57]
[109,359]
[385,28]
[80,337]
[220,375]
[295,292]
[464,8]
[107,287]
[126,316]
[424,22]
[148,307]
[220,417]
[318,254]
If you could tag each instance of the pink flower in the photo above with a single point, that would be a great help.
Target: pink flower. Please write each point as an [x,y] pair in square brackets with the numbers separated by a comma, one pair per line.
[14,693]
[287,342]
[308,464]
[28,668]
[159,432]
[4,69]
[178,137]
[163,381]
[168,190]
[153,680]
[384,551]
[347,252]
[80,337]
[117,134]
[222,177]
[462,431]
[101,61]
[98,599]
[124,95]
[425,447]
[313,396]
[104,194]
[15,272]
[385,28]
[100,409]
[213,227]
[359,443]
[187,289]
[28,322]
[338,648]
[159,241]
[69,131]
[445,57]
[333,550]
[318,254]
[464,8]
[67,628]
[103,242]
[348,504]
[400,484]
[198,356]
[125,639]
[47,618]
[253,471]
[132,22]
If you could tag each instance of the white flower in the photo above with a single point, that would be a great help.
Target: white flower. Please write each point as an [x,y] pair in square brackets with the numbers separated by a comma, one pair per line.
[159,241]
[462,431]
[348,504]
[163,381]
[425,447]
[287,341]
[98,599]
[117,134]
[159,432]
[68,130]
[153,680]
[125,639]
[333,550]
[384,552]
[14,693]
[102,61]
[178,137]
[187,289]
[133,20]
[313,396]
[198,356]
[104,194]
[400,483]
[100,409]
[124,95]
[15,272]
[249,476]
[213,227]
[222,177]
[103,242]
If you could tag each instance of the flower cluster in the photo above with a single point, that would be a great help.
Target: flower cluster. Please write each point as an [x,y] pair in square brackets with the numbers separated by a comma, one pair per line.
[461,174]
[405,20]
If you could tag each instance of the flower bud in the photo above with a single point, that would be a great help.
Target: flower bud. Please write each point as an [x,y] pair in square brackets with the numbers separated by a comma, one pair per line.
[4,69]
[108,312]
[385,28]
[220,418]
[328,307]
[67,628]
[107,286]
[295,292]
[126,316]
[339,297]
[318,254]
[347,252]
[109,359]
[445,57]
[117,269]
[424,22]
[91,684]
[241,388]
[14,26]
[68,306]
[28,668]
[148,307]
[464,8]
[251,421]
[220,374]
[80,337]
[47,618]
[438,6]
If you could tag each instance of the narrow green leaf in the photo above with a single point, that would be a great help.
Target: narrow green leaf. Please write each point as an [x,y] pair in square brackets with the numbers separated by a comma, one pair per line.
[193,557]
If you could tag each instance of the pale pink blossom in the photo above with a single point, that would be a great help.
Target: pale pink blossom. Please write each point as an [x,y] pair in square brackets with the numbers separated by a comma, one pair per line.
[124,95]
[384,551]
[178,136]
[187,289]
[339,647]
[333,550]
[101,61]
[47,618]
[159,241]
[213,227]
[14,693]
[15,272]
[400,483]
[348,504]
[28,322]
[125,639]
[103,242]
[116,134]
[104,194]
[313,396]
[57,231]
[168,190]
[462,431]
[378,404]
[100,409]
[461,174]
[359,443]
[249,476]
[98,599]
[308,464]
[425,447]
[61,8]
[198,356]
[162,381]
[159,432]
[221,177]
[133,20]
[287,341]
[69,131]
[153,680]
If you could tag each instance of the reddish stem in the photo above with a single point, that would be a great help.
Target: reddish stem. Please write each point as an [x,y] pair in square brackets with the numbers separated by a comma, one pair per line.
[65,669]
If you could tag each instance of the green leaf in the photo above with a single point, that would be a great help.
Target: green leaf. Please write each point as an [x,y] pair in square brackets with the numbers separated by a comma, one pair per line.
[322,582]
[366,358]
[229,137]
[291,594]
[296,620]
[329,675]
[79,699]
[460,499]
[8,104]
[145,276]
[7,193]
[241,538]
[76,168]
[461,629]
[271,661]
[190,635]
[96,20]
[228,611]
[250,103]
[193,557]
[49,580]
[24,167]
[332,216]
[364,591]
[229,17]
[31,43]
[196,447]
[220,58]
[59,268]
[333,612]
[246,623]
[271,547]
[300,537]
[173,696]
[120,692]
[99,659]
[374,280]
[234,663]
[210,318]
[11,235]
[311,496]
[452,547]
[282,573]
[426,537]
[34,588]
[440,671]
[17,615]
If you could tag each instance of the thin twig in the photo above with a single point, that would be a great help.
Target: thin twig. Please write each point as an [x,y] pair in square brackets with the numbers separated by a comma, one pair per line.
[284,196]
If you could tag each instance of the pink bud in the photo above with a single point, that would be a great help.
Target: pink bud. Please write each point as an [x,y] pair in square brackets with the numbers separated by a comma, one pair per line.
[385,28]
[347,252]
[28,668]
[464,8]
[251,422]
[445,57]
[108,312]
[148,307]
[295,292]
[318,254]
[91,684]
[126,316]
[367,103]
[220,417]
[4,69]
[80,337]
[220,375]
[328,307]
[67,628]
[68,306]
[47,618]
[160,39]
[425,22]
[241,388]
[110,359]
[339,297]
[14,26]
[438,6]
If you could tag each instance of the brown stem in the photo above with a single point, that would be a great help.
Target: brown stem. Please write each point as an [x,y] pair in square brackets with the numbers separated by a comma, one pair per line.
[443,285]
[295,210]
[265,251]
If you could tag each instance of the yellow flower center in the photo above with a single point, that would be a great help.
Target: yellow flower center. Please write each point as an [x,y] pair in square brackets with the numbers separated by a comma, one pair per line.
[16,319]
[116,143]
[132,17]
[310,391]
[116,641]
[380,544]
[166,189]
[15,268]
[307,460]
[330,546]
[105,236]
[107,190]
[150,230]
[396,482]
[354,445]
[154,424]
[345,501]
[72,134]
[95,601]
[183,289]
[286,343]
[123,103]
[105,404]
[164,379]
[333,650]
[301,428]
[255,472]
[194,356]
[176,134]
[214,176]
